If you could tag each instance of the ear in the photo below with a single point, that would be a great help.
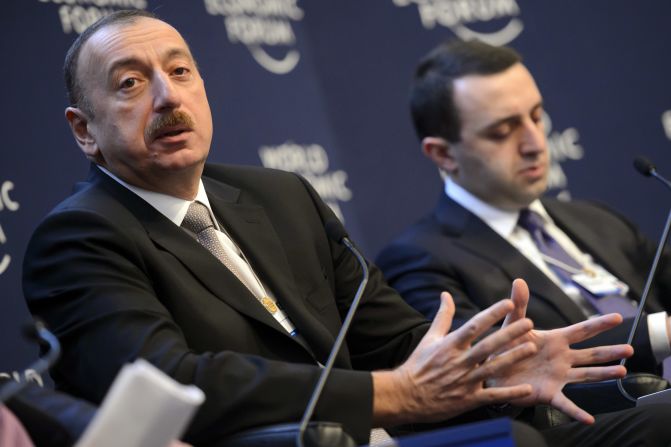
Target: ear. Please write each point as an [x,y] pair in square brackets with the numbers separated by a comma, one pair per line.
[79,124]
[441,153]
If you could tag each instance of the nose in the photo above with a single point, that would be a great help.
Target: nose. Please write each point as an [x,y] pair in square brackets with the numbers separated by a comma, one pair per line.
[533,138]
[166,94]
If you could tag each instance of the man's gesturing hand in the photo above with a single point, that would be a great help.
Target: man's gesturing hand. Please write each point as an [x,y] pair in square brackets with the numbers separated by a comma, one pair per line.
[555,363]
[445,374]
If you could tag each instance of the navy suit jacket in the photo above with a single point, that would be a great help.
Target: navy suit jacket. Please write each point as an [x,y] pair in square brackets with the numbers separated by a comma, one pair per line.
[116,280]
[452,249]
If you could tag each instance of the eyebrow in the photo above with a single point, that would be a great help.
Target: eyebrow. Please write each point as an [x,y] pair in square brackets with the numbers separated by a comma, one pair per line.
[134,61]
[507,119]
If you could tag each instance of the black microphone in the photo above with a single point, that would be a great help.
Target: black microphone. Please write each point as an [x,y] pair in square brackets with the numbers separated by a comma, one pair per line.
[336,232]
[645,167]
[35,331]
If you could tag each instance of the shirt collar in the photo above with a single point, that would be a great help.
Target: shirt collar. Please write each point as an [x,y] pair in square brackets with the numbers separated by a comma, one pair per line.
[537,207]
[171,207]
[501,221]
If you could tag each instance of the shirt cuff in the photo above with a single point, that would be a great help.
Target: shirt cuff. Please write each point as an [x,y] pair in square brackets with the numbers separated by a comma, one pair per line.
[659,336]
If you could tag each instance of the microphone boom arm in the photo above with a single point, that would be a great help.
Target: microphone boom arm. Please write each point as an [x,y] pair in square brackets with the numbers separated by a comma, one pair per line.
[336,345]
[42,364]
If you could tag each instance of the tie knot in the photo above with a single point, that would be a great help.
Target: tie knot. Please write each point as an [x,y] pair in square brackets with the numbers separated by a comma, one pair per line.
[197,218]
[531,221]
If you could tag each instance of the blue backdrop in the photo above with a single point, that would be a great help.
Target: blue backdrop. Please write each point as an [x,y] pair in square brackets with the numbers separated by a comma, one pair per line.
[321,88]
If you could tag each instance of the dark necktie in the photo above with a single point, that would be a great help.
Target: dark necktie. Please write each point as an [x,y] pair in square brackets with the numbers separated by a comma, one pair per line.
[547,245]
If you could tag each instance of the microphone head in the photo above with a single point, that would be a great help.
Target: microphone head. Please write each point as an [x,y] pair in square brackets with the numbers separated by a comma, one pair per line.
[644,166]
[335,230]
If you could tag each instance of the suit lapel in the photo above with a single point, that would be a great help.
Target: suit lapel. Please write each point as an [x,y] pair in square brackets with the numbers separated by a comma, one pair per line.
[250,227]
[199,261]
[477,237]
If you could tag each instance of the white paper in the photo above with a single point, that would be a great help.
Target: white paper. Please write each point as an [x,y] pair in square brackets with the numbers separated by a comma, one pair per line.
[143,408]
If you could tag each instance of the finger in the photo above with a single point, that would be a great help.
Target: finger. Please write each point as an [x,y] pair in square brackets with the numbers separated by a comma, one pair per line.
[600,354]
[480,323]
[502,363]
[566,406]
[498,395]
[589,328]
[443,320]
[595,373]
[499,341]
[520,297]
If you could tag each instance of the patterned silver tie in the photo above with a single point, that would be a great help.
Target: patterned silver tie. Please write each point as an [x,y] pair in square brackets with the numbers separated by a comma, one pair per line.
[199,221]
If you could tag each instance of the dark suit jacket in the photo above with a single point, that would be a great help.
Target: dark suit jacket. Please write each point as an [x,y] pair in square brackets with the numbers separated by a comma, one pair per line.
[452,249]
[116,280]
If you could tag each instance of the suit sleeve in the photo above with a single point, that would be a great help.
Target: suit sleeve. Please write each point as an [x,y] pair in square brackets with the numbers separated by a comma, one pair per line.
[420,277]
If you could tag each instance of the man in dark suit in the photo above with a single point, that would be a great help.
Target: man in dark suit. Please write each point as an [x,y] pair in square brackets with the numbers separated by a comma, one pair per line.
[224,277]
[478,114]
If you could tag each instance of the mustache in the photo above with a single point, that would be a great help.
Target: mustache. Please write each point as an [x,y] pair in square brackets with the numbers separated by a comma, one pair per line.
[166,121]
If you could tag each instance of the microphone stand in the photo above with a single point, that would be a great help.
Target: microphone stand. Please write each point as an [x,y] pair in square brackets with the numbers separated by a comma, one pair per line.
[646,168]
[325,433]
[336,345]
[646,291]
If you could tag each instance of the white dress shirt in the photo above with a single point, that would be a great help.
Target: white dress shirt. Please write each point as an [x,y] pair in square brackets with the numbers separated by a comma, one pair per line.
[504,223]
